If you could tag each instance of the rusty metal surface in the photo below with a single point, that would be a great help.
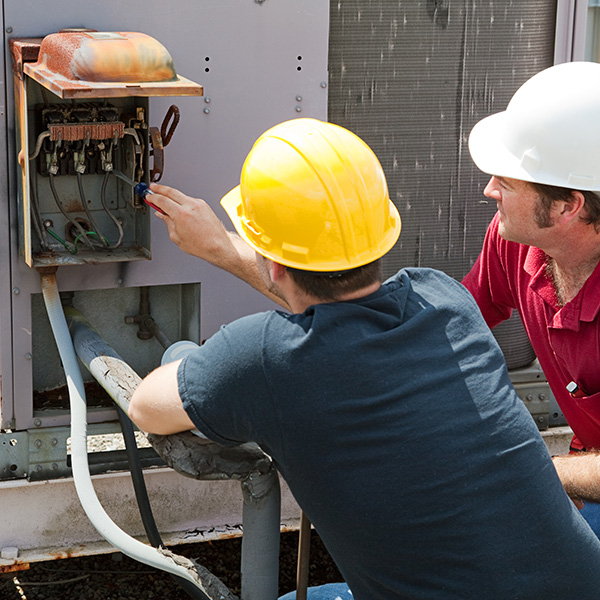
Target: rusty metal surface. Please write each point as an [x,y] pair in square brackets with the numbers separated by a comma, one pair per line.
[68,132]
[101,65]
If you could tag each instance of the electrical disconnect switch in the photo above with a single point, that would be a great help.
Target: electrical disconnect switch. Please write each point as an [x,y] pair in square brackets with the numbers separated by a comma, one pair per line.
[82,117]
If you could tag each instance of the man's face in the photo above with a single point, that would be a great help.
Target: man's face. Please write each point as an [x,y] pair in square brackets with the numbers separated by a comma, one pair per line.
[522,216]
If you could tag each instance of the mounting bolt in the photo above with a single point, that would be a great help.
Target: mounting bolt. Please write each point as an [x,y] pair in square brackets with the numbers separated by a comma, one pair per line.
[37,443]
[298,108]
[323,84]
[53,442]
[9,552]
[38,422]
[9,29]
[28,356]
[119,281]
[207,100]
[48,223]
[16,291]
[298,98]
[206,110]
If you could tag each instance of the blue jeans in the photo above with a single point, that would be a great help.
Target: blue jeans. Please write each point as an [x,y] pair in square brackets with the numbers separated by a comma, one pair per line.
[330,591]
[591,513]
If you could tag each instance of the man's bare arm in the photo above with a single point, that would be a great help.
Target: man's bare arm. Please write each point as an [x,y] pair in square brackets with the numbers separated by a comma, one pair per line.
[156,406]
[196,229]
[580,475]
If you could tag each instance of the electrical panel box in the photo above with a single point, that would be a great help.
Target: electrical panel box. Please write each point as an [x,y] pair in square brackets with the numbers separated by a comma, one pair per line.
[84,141]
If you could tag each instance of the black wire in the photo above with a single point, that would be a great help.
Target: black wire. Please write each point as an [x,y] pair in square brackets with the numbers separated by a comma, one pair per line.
[141,495]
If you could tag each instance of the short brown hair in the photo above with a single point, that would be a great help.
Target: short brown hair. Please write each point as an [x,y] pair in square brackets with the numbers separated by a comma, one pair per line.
[551,193]
[328,286]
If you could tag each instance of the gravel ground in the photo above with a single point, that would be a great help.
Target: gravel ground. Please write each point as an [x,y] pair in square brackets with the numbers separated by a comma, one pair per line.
[117,577]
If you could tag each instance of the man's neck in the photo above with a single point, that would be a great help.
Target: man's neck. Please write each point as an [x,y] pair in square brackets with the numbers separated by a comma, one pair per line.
[570,264]
[299,301]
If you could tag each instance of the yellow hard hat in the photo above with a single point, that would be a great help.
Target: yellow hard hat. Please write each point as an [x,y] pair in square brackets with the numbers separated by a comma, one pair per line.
[313,196]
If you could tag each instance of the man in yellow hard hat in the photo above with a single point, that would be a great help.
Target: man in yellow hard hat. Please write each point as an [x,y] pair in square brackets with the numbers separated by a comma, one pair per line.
[542,249]
[386,407]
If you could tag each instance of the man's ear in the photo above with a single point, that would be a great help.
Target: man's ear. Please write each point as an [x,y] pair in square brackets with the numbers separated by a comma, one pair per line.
[574,208]
[277,271]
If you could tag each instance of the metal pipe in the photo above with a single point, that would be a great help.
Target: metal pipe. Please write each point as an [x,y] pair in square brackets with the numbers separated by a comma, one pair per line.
[260,543]
[303,557]
[158,558]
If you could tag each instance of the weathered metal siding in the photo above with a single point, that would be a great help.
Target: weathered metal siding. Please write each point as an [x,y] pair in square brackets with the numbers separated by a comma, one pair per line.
[411,78]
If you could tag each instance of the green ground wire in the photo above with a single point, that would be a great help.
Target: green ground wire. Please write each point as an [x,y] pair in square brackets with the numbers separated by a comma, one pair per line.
[73,250]
[56,237]
[87,233]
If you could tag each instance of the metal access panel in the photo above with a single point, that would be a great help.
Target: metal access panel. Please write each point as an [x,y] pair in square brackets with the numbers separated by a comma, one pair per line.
[81,99]
[257,62]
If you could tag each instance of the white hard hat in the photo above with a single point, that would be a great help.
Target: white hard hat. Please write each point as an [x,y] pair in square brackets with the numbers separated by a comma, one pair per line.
[549,132]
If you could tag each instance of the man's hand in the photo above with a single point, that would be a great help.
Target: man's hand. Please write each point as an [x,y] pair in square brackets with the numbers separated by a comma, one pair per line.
[193,225]
[196,229]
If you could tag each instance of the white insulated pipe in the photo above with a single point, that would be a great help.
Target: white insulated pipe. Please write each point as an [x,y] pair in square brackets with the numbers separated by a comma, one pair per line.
[133,548]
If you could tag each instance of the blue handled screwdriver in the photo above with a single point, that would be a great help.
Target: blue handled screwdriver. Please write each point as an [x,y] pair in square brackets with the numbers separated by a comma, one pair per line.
[139,189]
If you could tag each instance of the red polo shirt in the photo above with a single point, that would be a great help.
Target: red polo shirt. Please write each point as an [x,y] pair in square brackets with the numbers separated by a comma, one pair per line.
[566,340]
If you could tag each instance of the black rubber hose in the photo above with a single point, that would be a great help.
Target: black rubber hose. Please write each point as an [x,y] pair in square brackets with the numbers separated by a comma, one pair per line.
[141,495]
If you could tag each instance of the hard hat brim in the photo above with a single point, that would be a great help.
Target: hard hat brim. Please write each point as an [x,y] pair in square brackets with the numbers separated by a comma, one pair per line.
[489,152]
[232,203]
[492,156]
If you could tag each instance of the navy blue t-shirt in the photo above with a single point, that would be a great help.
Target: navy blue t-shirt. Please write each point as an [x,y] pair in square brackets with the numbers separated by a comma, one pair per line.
[394,422]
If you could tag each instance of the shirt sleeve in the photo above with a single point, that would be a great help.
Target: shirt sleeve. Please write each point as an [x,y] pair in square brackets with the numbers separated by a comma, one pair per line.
[222,383]
[488,281]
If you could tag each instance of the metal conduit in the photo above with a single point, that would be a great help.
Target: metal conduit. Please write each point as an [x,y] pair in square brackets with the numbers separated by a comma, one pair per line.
[260,481]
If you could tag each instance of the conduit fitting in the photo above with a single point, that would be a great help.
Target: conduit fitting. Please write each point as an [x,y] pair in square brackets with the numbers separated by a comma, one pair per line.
[148,327]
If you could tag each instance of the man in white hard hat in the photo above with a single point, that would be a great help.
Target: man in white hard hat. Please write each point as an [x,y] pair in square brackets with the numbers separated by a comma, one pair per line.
[386,406]
[542,248]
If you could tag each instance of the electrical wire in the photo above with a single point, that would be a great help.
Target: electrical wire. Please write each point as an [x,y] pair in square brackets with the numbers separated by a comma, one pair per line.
[105,206]
[36,217]
[38,145]
[87,210]
[143,502]
[71,220]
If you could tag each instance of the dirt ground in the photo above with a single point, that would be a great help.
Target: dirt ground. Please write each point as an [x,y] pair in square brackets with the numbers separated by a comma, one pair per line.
[117,577]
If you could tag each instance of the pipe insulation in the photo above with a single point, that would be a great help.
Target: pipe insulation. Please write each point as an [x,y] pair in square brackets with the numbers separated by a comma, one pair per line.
[159,558]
